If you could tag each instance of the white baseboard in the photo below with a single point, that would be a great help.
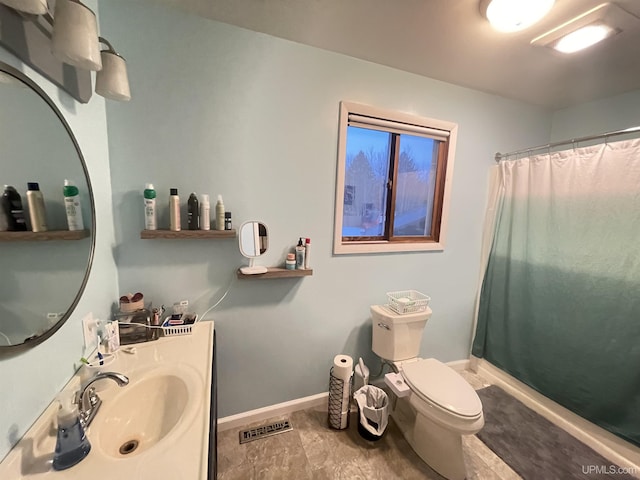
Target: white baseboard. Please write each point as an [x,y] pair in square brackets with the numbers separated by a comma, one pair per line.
[320,399]
[459,365]
[260,414]
[610,446]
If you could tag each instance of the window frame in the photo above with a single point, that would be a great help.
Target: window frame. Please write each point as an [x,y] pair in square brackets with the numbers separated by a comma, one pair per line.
[442,193]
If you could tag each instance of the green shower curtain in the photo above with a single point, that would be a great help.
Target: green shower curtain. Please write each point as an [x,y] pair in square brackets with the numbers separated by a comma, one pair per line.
[560,301]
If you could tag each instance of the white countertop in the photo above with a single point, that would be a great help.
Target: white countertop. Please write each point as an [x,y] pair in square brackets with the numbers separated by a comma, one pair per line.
[181,454]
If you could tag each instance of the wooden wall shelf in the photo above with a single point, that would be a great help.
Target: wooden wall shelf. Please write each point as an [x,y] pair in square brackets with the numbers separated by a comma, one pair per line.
[276,272]
[202,234]
[48,236]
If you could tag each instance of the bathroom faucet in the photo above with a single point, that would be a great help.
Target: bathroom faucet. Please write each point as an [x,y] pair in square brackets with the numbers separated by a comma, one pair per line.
[88,400]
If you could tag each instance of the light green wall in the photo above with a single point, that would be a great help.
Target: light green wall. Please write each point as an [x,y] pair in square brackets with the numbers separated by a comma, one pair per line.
[614,113]
[31,380]
[219,109]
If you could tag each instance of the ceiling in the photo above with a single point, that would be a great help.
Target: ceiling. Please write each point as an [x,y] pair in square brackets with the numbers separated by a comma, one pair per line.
[449,40]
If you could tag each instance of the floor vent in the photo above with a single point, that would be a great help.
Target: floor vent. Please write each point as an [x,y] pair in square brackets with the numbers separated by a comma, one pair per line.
[265,431]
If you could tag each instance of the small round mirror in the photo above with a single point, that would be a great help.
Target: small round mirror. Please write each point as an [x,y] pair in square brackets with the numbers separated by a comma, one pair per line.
[253,241]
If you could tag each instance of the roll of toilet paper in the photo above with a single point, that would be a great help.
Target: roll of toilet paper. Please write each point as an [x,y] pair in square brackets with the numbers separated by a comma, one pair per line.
[343,367]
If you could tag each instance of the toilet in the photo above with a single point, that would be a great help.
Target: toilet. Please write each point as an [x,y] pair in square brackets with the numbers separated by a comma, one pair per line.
[431,403]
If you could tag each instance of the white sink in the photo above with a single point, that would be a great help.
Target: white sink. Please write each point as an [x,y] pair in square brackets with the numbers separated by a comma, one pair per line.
[145,412]
[156,427]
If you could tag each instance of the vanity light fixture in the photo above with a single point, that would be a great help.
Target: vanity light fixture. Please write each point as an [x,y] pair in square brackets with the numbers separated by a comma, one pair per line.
[72,29]
[514,15]
[112,81]
[34,7]
[75,35]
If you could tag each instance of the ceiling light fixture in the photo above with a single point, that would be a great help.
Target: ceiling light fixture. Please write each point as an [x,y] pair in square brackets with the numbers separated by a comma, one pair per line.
[583,38]
[514,15]
[589,28]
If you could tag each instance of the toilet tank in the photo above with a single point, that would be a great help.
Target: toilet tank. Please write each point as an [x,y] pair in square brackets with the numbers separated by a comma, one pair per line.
[397,337]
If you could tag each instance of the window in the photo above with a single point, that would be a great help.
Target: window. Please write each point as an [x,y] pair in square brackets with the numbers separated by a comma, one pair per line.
[394,181]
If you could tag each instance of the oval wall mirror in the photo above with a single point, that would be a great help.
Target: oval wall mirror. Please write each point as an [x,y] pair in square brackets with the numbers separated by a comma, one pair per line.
[253,241]
[44,274]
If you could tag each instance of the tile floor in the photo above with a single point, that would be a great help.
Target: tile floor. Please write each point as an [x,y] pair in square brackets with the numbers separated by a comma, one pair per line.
[315,452]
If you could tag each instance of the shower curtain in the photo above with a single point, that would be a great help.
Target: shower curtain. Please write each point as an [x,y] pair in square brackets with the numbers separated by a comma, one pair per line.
[560,301]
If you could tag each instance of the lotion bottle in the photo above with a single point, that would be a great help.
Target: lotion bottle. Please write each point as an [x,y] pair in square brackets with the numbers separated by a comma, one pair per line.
[219,214]
[174,210]
[150,218]
[72,206]
[193,212]
[307,247]
[205,213]
[72,444]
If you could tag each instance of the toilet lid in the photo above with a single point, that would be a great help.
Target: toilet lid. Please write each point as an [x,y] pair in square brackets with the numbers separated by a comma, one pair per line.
[442,386]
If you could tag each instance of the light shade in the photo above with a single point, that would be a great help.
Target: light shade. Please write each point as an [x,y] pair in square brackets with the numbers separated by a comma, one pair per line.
[75,35]
[583,38]
[514,15]
[35,7]
[112,81]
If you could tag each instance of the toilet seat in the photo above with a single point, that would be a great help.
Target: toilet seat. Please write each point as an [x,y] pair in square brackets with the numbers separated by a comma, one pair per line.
[440,385]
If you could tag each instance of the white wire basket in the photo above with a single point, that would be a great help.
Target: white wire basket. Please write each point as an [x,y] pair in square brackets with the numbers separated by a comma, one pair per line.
[173,330]
[407,301]
[177,330]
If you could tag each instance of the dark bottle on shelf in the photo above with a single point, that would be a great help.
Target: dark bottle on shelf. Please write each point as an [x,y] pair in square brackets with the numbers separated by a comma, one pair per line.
[193,213]
[12,208]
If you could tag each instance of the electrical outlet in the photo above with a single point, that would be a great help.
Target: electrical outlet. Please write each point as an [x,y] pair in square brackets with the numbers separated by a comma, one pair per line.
[90,332]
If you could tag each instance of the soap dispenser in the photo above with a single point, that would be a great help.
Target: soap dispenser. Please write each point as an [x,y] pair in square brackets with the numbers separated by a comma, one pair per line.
[72,445]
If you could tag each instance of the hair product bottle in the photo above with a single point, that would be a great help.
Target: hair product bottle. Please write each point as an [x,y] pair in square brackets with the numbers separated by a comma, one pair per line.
[193,212]
[150,217]
[219,214]
[12,206]
[72,206]
[205,212]
[300,255]
[174,210]
[227,220]
[35,201]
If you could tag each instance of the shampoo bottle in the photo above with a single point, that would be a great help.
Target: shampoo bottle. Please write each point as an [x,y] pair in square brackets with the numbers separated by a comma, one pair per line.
[174,210]
[205,213]
[193,212]
[72,206]
[219,214]
[150,217]
[35,201]
[12,207]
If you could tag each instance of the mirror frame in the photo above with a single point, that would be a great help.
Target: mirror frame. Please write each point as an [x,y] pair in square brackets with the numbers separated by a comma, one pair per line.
[9,350]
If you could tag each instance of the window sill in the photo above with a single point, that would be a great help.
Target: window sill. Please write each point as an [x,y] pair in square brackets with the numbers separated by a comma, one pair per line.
[385,247]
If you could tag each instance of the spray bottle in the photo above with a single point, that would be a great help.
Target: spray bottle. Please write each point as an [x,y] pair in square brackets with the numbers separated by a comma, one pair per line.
[150,218]
[72,206]
[35,201]
[219,214]
[205,213]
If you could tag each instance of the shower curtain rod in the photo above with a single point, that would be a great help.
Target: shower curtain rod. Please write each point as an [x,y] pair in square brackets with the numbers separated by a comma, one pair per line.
[500,156]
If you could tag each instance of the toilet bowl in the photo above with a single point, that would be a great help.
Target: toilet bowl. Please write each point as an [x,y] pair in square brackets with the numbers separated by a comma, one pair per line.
[434,406]
[440,408]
